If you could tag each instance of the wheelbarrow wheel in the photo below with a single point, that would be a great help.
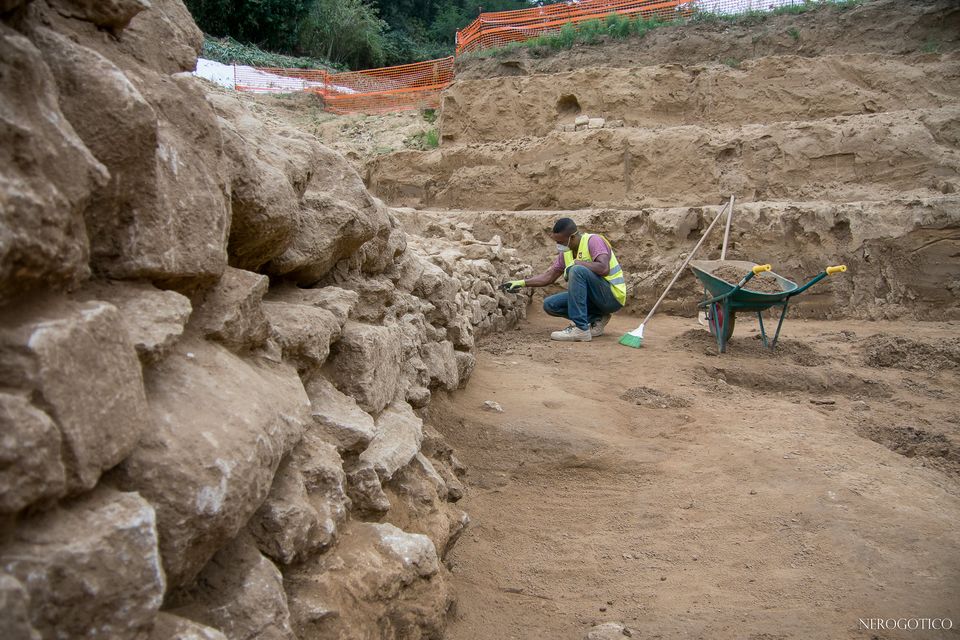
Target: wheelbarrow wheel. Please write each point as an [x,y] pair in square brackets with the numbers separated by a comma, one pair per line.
[721,323]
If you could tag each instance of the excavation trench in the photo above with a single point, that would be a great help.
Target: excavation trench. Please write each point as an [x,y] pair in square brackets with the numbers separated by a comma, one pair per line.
[738,512]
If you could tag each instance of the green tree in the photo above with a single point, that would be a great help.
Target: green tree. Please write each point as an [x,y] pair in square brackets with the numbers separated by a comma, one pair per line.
[345,31]
[271,24]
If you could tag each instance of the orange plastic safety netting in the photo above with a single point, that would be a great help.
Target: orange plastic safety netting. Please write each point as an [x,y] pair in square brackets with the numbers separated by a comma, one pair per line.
[409,86]
[491,30]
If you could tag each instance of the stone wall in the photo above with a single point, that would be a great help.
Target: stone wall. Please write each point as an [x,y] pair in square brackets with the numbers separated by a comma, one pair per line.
[216,352]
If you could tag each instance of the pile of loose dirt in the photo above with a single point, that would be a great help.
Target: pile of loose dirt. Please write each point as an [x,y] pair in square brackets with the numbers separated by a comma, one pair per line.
[651,398]
[761,282]
[700,340]
[883,351]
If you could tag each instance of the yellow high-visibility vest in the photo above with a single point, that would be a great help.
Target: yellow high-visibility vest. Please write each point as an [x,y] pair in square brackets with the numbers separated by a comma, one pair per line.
[615,277]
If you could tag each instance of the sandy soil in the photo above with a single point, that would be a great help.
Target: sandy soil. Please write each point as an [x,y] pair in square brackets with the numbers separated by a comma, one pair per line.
[691,495]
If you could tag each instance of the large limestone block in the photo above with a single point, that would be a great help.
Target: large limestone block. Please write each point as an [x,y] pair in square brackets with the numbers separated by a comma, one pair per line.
[179,236]
[164,38]
[441,363]
[221,427]
[418,496]
[340,302]
[337,216]
[266,165]
[47,177]
[232,313]
[397,440]
[112,14]
[15,609]
[378,582]
[92,567]
[77,362]
[304,333]
[239,592]
[31,467]
[154,319]
[337,417]
[306,505]
[171,627]
[365,363]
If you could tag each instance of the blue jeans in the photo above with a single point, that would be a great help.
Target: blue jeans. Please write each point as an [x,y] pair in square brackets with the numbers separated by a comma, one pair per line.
[588,298]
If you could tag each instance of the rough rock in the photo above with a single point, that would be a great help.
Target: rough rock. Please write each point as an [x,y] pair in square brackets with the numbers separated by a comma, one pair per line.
[15,605]
[378,582]
[221,427]
[609,631]
[77,361]
[164,38]
[419,498]
[337,417]
[163,216]
[396,441]
[91,567]
[239,592]
[113,14]
[171,627]
[47,177]
[306,504]
[365,364]
[154,319]
[304,333]
[31,466]
[339,302]
[336,217]
[265,169]
[466,361]
[366,492]
[232,313]
[441,365]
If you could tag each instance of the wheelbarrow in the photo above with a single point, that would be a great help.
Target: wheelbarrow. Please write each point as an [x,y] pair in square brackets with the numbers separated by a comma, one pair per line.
[722,300]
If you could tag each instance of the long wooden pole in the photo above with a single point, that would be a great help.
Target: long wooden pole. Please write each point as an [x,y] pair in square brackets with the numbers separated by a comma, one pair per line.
[726,234]
[686,262]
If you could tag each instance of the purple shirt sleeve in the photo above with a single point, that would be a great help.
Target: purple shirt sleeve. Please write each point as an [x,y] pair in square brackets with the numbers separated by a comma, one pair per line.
[598,246]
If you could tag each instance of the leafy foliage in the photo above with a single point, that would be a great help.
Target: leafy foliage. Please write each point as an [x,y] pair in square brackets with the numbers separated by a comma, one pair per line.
[229,51]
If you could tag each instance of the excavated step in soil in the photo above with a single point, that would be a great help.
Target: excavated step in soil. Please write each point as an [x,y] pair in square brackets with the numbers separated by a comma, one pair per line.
[760,90]
[862,157]
[687,494]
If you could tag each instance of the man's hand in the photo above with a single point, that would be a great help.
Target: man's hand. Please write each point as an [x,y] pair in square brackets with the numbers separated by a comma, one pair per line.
[513,286]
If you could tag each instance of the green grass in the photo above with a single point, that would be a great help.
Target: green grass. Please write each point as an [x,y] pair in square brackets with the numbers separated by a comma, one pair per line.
[430,115]
[733,63]
[794,33]
[229,51]
[429,139]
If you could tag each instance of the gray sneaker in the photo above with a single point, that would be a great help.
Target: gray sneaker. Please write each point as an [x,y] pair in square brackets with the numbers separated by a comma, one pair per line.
[572,334]
[596,329]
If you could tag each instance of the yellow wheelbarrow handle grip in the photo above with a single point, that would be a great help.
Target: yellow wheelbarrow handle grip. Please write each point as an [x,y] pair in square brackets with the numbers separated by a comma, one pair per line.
[840,268]
[760,268]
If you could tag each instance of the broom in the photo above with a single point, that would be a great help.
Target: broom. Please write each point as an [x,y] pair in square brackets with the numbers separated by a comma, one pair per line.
[635,338]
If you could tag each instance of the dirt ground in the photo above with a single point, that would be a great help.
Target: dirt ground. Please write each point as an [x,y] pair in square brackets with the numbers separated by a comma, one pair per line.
[690,495]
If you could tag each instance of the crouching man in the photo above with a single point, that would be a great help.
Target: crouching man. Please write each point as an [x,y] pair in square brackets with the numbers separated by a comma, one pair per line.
[595,284]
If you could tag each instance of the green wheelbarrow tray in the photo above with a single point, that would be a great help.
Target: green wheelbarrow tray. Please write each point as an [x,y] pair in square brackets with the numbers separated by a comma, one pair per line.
[722,299]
